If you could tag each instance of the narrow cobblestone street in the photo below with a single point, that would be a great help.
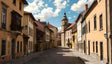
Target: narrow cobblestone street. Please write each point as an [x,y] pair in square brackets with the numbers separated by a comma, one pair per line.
[60,55]
[56,56]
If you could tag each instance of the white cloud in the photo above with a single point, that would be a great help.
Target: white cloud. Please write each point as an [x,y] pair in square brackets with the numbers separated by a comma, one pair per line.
[69,18]
[80,5]
[45,14]
[59,29]
[46,5]
[41,3]
[74,16]
[60,4]
[68,1]
[49,0]
[57,12]
[35,6]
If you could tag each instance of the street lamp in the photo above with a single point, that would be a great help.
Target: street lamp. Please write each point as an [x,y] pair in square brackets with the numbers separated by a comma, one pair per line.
[105,34]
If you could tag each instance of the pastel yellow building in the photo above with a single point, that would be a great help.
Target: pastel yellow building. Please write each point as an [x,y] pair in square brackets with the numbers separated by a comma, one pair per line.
[74,37]
[11,36]
[96,43]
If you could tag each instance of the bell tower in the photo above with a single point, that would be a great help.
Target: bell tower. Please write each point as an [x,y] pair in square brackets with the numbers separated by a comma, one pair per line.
[64,22]
[64,25]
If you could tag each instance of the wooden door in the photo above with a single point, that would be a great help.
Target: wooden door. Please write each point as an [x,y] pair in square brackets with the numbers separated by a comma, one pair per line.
[84,47]
[89,47]
[101,50]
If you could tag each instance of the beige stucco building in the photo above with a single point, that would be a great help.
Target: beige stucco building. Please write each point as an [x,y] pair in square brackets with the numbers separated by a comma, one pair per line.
[79,33]
[55,32]
[11,36]
[29,30]
[69,36]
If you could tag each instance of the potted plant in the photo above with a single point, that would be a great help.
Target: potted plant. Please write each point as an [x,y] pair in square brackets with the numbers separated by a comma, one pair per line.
[69,44]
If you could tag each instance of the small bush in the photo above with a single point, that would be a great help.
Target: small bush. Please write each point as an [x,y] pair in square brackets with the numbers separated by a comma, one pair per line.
[69,44]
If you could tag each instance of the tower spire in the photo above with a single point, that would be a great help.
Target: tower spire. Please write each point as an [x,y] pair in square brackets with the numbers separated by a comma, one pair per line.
[65,13]
[64,17]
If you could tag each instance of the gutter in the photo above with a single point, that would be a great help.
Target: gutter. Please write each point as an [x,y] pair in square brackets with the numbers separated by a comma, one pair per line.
[107,33]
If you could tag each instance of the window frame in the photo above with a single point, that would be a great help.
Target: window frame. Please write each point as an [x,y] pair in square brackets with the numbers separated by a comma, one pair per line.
[14,2]
[95,22]
[73,38]
[4,20]
[101,21]
[3,54]
[96,46]
[93,47]
[20,6]
[89,26]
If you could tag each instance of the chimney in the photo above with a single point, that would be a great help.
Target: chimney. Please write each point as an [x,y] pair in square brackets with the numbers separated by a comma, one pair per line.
[48,24]
[86,7]
[38,20]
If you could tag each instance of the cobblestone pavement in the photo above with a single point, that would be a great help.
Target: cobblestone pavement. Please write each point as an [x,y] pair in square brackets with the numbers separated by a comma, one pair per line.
[56,56]
[88,59]
[60,55]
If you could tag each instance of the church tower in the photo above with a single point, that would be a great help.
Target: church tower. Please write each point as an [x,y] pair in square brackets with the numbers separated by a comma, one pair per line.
[64,22]
[64,25]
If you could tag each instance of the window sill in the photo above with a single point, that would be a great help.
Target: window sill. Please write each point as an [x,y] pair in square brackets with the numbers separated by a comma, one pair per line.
[14,4]
[3,29]
[100,29]
[3,56]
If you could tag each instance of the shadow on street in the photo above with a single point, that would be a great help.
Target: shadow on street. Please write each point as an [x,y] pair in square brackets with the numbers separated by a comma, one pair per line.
[57,56]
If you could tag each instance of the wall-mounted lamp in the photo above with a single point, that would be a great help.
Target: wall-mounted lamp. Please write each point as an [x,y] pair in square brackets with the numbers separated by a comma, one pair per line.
[105,34]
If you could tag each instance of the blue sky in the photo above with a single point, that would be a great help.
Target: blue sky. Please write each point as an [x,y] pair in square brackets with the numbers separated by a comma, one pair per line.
[52,11]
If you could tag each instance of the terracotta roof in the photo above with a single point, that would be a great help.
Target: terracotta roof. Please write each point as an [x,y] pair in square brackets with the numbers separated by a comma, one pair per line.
[71,26]
[25,12]
[51,26]
[29,13]
[39,26]
[43,23]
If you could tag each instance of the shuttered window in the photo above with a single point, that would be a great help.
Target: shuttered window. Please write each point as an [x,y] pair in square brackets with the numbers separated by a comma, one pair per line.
[3,49]
[4,17]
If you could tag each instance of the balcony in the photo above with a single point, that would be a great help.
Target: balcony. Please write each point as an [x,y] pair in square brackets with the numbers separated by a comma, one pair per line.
[16,22]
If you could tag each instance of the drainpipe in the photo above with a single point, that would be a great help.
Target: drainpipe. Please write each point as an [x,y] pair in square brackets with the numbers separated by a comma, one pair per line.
[107,33]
